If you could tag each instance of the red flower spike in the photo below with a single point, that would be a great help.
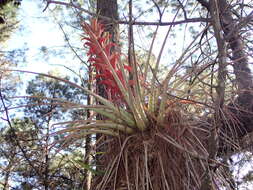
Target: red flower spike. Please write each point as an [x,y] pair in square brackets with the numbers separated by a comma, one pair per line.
[95,40]
[128,68]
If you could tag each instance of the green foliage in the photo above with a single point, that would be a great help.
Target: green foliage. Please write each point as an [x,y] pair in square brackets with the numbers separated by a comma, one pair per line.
[26,146]
[8,15]
[47,97]
[88,167]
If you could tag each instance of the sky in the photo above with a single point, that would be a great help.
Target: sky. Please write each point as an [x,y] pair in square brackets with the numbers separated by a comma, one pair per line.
[38,30]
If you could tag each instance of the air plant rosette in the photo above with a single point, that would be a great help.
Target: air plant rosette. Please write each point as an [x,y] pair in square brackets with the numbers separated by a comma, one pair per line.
[154,143]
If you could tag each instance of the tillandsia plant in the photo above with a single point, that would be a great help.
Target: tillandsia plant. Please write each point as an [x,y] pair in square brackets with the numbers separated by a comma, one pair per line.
[155,142]
[121,91]
[151,130]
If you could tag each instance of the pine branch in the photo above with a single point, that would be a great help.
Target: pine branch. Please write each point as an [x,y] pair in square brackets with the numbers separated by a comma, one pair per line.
[188,20]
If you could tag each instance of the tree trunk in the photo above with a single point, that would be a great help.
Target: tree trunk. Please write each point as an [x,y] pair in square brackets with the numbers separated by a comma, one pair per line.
[243,106]
[108,8]
[238,121]
[88,157]
[105,8]
[240,109]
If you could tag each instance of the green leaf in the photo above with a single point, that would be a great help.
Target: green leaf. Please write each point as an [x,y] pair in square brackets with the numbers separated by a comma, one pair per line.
[88,167]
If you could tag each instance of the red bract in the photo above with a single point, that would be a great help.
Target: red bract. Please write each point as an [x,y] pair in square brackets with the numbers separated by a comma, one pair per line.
[100,50]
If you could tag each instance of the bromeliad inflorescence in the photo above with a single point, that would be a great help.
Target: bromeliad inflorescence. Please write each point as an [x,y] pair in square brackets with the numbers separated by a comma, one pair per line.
[105,61]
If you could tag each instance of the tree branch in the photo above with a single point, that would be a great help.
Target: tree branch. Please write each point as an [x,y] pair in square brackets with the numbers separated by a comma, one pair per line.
[205,4]
[241,69]
[15,137]
[189,20]
[182,7]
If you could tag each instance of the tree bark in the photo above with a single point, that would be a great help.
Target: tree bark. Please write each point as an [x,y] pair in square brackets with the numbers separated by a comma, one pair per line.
[217,123]
[239,110]
[109,8]
[239,58]
[242,107]
[88,157]
[238,122]
[106,8]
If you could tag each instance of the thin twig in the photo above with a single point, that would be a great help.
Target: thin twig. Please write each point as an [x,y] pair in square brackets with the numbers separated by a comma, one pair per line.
[205,4]
[15,137]
[182,7]
[158,9]
[189,20]
[71,47]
